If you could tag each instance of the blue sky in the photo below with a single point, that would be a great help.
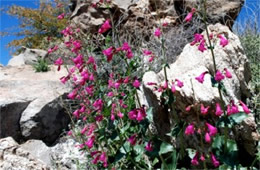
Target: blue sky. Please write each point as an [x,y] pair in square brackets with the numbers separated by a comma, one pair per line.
[8,23]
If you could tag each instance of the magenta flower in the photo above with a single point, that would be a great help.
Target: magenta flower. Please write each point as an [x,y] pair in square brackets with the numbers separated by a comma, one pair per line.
[219,111]
[245,108]
[151,58]
[106,26]
[188,18]
[61,16]
[188,108]
[157,32]
[98,104]
[77,46]
[223,40]
[219,76]
[58,63]
[147,52]
[214,161]
[132,114]
[103,158]
[117,85]
[202,47]
[76,113]
[212,130]
[204,110]
[232,109]
[227,73]
[202,157]
[189,129]
[132,139]
[129,54]
[90,142]
[200,78]
[136,83]
[197,38]
[110,94]
[109,53]
[120,114]
[173,89]
[179,83]
[125,47]
[207,138]
[149,147]
[140,114]
[194,160]
[72,94]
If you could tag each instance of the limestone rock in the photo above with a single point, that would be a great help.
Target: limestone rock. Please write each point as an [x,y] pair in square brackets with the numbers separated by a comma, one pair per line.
[190,64]
[30,105]
[28,56]
[13,157]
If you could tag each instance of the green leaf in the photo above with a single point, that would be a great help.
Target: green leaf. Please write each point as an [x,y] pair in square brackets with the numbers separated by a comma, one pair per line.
[139,149]
[165,148]
[155,161]
[138,158]
[239,117]
[191,152]
[119,156]
[125,148]
[218,142]
[149,113]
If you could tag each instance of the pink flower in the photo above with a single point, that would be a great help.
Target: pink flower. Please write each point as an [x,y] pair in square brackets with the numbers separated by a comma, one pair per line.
[197,38]
[120,114]
[147,52]
[106,26]
[91,60]
[173,89]
[232,109]
[202,157]
[245,108]
[214,161]
[136,83]
[103,158]
[219,76]
[207,138]
[110,94]
[179,83]
[223,40]
[204,110]
[98,104]
[189,129]
[132,139]
[77,46]
[149,147]
[200,78]
[76,113]
[151,83]
[219,111]
[84,130]
[227,73]
[58,63]
[212,130]
[140,114]
[188,18]
[151,58]
[109,53]
[132,114]
[125,47]
[202,47]
[90,142]
[129,54]
[157,32]
[61,16]
[165,24]
[117,85]
[188,108]
[194,160]
[72,94]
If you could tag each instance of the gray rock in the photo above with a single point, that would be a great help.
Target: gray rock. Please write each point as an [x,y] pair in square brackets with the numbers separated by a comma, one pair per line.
[13,157]
[30,103]
[28,56]
[190,64]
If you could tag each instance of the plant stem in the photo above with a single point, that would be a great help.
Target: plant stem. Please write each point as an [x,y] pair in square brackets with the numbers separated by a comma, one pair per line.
[215,70]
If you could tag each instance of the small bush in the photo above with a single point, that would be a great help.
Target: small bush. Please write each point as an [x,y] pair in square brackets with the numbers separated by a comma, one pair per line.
[41,66]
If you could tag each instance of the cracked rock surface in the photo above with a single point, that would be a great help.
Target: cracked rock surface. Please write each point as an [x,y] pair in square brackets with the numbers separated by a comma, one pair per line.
[30,103]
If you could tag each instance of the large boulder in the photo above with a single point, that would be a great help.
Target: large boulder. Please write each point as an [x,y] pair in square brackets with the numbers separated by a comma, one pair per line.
[190,64]
[34,154]
[31,103]
[13,157]
[27,56]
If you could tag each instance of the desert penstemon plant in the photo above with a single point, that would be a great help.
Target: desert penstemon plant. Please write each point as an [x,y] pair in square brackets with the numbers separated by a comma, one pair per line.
[110,123]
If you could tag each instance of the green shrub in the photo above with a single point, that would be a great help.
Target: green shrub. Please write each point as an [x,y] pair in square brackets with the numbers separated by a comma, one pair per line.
[41,66]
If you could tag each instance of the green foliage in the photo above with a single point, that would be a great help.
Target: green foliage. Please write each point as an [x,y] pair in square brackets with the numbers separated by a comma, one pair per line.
[37,25]
[41,66]
[231,120]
